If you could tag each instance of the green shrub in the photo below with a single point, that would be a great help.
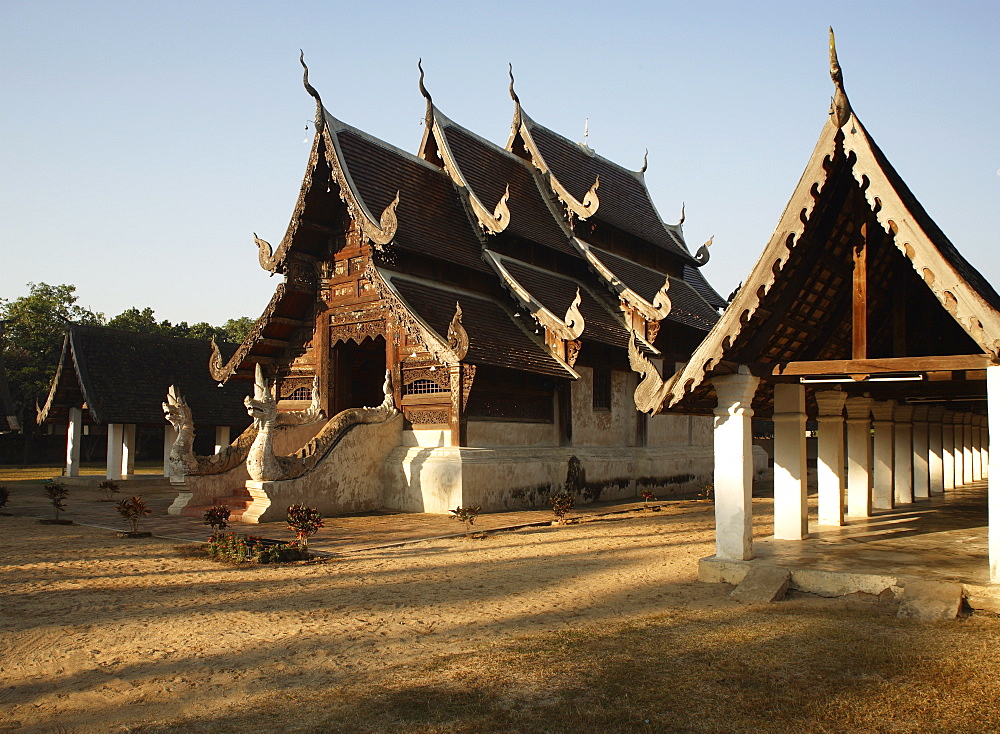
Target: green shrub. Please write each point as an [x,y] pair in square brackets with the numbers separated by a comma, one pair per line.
[132,511]
[236,548]
[467,515]
[4,496]
[110,486]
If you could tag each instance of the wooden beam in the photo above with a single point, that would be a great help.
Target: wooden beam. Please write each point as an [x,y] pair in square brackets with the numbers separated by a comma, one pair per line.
[284,321]
[943,363]
[859,348]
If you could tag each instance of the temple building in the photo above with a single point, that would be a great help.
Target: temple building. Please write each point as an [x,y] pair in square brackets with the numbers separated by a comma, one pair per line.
[484,297]
[113,382]
[863,316]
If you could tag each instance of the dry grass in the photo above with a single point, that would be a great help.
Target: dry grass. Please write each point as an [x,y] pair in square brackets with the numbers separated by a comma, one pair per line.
[805,665]
[41,474]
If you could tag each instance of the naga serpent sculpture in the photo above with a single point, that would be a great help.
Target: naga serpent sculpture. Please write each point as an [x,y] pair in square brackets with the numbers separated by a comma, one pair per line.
[262,463]
[182,460]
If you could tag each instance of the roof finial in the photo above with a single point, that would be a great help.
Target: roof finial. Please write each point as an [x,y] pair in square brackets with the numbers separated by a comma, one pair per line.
[429,115]
[586,129]
[645,161]
[312,91]
[682,214]
[513,96]
[840,108]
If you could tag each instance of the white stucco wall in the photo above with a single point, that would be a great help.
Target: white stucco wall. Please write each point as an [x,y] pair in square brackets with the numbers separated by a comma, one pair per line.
[615,427]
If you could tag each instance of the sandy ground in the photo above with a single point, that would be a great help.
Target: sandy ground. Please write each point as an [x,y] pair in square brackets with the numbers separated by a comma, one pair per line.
[101,634]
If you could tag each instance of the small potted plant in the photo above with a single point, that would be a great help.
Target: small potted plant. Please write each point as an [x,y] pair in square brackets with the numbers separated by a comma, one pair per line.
[56,493]
[110,486]
[132,511]
[304,521]
[562,503]
[467,515]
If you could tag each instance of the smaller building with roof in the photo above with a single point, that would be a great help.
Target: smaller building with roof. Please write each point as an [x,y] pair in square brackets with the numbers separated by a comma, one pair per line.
[117,380]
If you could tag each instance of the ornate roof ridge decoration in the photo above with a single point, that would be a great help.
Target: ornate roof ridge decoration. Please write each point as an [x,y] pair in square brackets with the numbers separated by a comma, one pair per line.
[574,319]
[415,326]
[702,256]
[645,163]
[381,231]
[407,319]
[458,338]
[651,390]
[516,123]
[581,209]
[493,222]
[43,414]
[840,107]
[524,297]
[222,371]
[649,311]
[790,227]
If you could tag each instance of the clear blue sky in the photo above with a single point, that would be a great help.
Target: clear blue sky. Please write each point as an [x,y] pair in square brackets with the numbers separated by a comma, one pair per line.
[143,143]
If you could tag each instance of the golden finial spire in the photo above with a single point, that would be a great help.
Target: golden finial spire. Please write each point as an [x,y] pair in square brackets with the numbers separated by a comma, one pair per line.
[840,107]
[429,115]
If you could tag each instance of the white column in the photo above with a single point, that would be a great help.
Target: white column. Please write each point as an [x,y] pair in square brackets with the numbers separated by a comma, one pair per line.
[993,403]
[791,509]
[958,453]
[948,450]
[74,434]
[935,450]
[169,436]
[734,465]
[882,412]
[830,476]
[859,457]
[221,438]
[921,465]
[116,433]
[128,450]
[977,447]
[902,467]
[986,448]
[968,471]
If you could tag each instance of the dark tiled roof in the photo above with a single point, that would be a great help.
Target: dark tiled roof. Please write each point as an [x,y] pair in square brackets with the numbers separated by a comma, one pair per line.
[556,293]
[694,277]
[489,169]
[624,199]
[494,338]
[432,219]
[124,377]
[688,307]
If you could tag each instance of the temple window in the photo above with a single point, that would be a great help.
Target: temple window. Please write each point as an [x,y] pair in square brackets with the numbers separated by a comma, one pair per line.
[602,387]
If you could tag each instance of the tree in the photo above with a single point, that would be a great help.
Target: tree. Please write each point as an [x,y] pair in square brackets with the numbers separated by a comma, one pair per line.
[236,330]
[33,337]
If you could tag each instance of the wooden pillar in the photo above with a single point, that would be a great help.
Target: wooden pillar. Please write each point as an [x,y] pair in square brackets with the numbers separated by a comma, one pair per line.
[902,467]
[921,453]
[791,521]
[882,483]
[859,457]
[734,465]
[456,422]
[114,462]
[74,435]
[830,477]
[935,450]
[977,447]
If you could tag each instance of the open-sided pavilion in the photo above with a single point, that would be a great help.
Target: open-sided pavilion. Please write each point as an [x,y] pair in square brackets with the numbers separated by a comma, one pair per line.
[119,380]
[860,315]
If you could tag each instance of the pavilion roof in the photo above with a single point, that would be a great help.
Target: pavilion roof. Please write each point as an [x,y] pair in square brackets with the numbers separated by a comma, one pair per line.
[122,377]
[924,300]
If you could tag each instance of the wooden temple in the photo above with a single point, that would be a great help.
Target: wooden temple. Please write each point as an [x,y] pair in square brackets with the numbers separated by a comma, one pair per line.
[860,315]
[501,287]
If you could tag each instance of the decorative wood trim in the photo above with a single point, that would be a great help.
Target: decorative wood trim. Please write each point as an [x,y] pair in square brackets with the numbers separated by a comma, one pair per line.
[944,363]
